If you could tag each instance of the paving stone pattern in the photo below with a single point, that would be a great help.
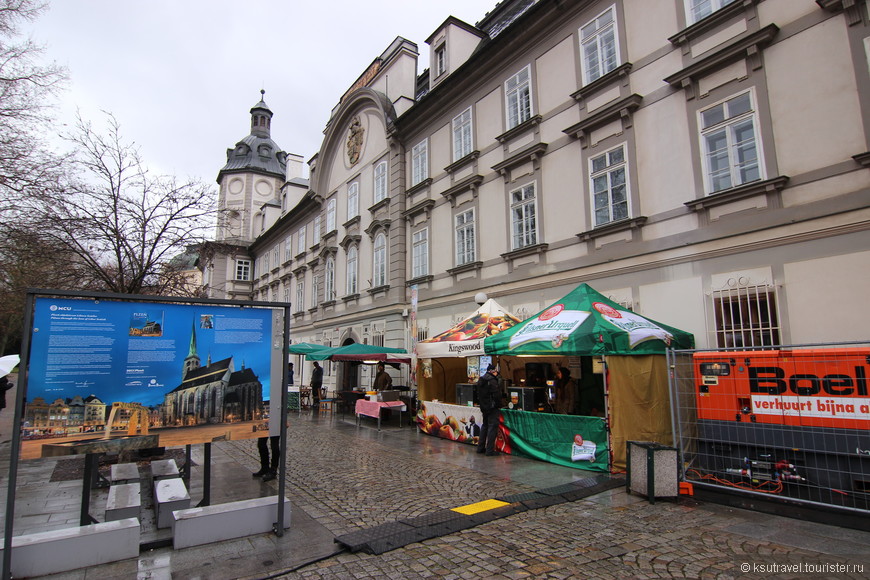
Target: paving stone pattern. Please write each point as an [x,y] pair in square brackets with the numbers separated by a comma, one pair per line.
[347,484]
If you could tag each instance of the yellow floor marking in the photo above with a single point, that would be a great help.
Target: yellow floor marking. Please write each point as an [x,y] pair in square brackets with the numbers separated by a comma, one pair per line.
[481,506]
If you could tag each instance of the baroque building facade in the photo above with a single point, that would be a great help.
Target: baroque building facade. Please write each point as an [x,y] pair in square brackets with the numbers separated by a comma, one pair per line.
[704,163]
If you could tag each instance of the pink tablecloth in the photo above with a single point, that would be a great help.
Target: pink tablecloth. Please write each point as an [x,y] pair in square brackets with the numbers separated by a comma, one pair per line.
[373,408]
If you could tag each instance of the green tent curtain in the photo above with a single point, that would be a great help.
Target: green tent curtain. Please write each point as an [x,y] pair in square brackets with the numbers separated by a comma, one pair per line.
[562,439]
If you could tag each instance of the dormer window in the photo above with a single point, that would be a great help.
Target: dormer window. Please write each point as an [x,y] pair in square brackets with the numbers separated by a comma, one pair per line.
[440,60]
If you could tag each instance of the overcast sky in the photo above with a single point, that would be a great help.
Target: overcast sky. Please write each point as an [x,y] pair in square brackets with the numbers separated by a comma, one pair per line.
[181,76]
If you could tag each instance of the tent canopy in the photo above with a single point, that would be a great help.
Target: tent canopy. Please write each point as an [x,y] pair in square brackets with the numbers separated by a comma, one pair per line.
[361,352]
[585,322]
[466,337]
[305,348]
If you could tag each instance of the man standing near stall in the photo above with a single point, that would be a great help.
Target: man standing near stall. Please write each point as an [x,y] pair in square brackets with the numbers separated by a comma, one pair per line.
[489,395]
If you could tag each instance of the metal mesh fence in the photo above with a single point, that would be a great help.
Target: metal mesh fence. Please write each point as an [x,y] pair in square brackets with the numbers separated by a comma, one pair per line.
[791,422]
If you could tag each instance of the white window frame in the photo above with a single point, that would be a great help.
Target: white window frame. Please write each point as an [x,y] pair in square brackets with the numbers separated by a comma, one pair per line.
[352,286]
[747,316]
[300,237]
[518,98]
[330,214]
[300,296]
[420,253]
[462,134]
[524,216]
[265,262]
[329,279]
[317,230]
[596,36]
[697,10]
[315,290]
[286,293]
[379,261]
[352,200]
[739,170]
[380,181]
[608,175]
[276,256]
[288,248]
[466,238]
[243,270]
[420,162]
[440,60]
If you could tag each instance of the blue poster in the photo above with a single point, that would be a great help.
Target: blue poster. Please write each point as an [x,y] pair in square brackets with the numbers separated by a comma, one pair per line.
[187,365]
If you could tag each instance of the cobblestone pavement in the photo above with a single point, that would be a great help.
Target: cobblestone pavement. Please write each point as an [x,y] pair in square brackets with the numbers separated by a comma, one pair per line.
[349,478]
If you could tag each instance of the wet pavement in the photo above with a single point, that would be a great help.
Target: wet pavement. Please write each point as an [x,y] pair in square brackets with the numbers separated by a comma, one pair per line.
[342,478]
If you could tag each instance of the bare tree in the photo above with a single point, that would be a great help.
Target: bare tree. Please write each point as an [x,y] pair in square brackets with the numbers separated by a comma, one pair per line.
[26,88]
[123,226]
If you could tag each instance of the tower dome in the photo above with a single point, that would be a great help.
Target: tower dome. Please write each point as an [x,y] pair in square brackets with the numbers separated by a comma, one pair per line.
[257,152]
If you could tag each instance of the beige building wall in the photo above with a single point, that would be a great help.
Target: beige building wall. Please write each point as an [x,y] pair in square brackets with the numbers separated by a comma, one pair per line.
[791,231]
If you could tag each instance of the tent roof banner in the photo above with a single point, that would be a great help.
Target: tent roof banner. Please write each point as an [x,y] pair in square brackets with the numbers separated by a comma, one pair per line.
[358,352]
[466,337]
[585,322]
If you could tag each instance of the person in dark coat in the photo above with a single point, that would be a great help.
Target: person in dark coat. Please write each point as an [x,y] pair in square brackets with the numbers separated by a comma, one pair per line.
[5,385]
[268,468]
[316,384]
[489,395]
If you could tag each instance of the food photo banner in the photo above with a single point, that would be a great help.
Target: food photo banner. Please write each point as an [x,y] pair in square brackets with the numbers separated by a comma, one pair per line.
[161,366]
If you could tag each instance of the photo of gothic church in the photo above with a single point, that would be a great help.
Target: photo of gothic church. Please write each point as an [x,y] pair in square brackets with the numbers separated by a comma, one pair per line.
[214,393]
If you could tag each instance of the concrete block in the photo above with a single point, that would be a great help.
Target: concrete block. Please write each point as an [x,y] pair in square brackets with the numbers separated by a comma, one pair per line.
[125,501]
[203,525]
[169,495]
[124,473]
[164,469]
[56,551]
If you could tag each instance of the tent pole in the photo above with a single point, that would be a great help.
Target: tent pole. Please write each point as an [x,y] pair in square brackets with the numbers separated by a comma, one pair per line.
[607,414]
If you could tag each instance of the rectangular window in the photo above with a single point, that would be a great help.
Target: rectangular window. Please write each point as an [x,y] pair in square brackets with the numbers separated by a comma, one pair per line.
[609,186]
[518,98]
[300,239]
[440,61]
[420,254]
[419,162]
[315,291]
[243,270]
[699,9]
[288,248]
[598,46]
[380,181]
[286,293]
[352,270]
[462,134]
[276,256]
[729,144]
[379,269]
[524,223]
[300,296]
[352,200]
[330,215]
[465,240]
[316,230]
[746,316]
[265,263]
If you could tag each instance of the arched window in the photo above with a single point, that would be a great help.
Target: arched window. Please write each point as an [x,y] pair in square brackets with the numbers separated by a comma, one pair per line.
[352,270]
[329,279]
[379,274]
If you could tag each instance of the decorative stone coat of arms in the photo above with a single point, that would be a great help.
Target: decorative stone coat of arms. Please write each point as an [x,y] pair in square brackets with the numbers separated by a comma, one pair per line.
[354,140]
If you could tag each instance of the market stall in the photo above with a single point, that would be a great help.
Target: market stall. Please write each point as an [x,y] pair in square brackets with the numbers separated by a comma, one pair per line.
[449,365]
[586,330]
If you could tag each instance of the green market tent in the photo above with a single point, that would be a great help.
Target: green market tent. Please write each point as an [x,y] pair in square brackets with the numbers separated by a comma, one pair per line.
[583,323]
[586,323]
[361,352]
[305,348]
